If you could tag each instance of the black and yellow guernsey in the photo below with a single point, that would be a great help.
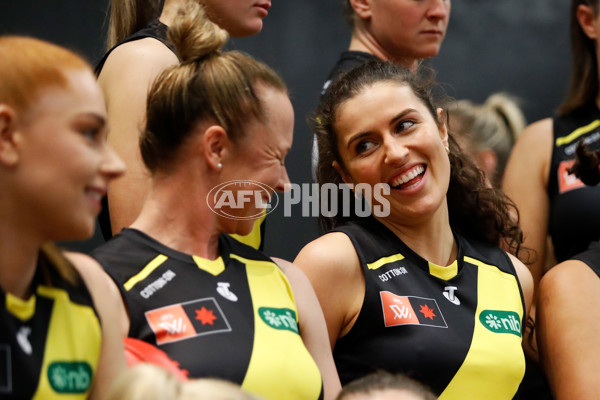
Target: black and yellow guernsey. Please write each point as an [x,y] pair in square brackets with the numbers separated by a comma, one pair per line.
[574,220]
[49,344]
[232,318]
[457,328]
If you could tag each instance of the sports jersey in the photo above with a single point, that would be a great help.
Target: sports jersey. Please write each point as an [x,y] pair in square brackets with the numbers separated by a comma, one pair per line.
[574,215]
[50,343]
[232,318]
[457,329]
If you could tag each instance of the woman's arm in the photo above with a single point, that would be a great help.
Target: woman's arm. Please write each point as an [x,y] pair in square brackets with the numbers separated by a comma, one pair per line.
[568,328]
[113,319]
[312,327]
[125,80]
[526,182]
[526,281]
[332,267]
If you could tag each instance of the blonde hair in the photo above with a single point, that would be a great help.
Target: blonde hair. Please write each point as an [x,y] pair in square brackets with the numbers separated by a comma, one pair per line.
[28,65]
[149,382]
[207,84]
[494,125]
[128,17]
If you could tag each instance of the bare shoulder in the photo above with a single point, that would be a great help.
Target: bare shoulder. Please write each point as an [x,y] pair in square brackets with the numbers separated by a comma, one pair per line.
[525,278]
[333,250]
[535,142]
[568,278]
[143,57]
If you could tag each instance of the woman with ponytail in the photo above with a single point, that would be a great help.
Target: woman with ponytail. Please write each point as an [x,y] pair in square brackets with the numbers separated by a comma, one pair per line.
[59,317]
[488,131]
[568,315]
[138,51]
[216,306]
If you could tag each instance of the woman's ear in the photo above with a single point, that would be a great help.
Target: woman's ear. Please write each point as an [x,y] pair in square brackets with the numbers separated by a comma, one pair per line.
[345,176]
[443,128]
[587,21]
[216,146]
[362,8]
[9,137]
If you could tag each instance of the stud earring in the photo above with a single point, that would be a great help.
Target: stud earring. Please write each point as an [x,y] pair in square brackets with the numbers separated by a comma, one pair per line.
[219,165]
[447,149]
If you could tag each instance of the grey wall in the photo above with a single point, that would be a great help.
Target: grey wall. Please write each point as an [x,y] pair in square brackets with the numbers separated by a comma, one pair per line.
[512,45]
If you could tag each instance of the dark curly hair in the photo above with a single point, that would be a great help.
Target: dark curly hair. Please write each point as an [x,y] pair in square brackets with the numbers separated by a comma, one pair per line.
[475,209]
[586,164]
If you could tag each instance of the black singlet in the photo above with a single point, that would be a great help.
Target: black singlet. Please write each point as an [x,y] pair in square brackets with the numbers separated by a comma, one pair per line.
[574,213]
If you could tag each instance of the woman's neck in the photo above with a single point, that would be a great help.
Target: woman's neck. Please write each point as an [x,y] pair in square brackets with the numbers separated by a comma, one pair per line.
[177,215]
[169,11]
[18,262]
[433,239]
[362,40]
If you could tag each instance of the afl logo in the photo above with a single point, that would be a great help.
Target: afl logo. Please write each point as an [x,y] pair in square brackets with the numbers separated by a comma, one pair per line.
[225,198]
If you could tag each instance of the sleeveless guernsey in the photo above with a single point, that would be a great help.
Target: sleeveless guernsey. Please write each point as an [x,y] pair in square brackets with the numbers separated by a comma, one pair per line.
[157,30]
[574,213]
[232,318]
[50,343]
[457,329]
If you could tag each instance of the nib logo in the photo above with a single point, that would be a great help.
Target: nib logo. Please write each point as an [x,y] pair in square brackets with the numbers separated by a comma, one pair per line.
[501,321]
[410,310]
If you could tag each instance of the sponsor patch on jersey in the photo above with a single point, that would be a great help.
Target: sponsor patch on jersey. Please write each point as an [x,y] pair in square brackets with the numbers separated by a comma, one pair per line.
[501,321]
[187,320]
[410,310]
[566,181]
[5,369]
[70,376]
[279,318]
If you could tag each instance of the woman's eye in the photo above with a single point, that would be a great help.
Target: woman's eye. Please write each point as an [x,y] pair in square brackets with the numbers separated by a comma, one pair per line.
[404,125]
[91,133]
[364,146]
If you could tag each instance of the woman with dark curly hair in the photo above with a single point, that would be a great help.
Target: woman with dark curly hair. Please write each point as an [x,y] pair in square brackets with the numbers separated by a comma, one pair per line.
[420,287]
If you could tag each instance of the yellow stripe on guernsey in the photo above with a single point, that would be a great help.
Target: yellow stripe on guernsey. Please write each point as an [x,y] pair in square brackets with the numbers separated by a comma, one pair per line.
[490,351]
[445,273]
[252,239]
[385,260]
[74,330]
[214,267]
[577,132]
[277,352]
[22,309]
[147,270]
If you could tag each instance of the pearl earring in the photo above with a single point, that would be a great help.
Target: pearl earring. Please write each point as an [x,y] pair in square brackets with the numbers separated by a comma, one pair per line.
[219,165]
[447,149]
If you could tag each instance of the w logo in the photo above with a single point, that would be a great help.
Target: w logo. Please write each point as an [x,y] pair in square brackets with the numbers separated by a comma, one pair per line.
[174,327]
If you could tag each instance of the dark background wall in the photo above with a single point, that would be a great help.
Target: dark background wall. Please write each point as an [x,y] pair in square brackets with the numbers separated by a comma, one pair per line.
[492,45]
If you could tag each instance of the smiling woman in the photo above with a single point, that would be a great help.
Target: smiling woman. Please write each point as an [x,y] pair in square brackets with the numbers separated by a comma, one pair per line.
[216,306]
[428,280]
[54,169]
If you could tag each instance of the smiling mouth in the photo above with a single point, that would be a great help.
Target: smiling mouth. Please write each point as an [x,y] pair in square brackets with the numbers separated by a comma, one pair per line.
[409,179]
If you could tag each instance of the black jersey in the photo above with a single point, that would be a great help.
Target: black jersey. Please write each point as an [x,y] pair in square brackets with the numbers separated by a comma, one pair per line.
[457,329]
[232,318]
[50,343]
[574,213]
[348,60]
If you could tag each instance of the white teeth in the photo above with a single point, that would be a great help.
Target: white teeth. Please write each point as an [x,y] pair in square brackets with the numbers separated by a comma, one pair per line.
[94,194]
[408,176]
